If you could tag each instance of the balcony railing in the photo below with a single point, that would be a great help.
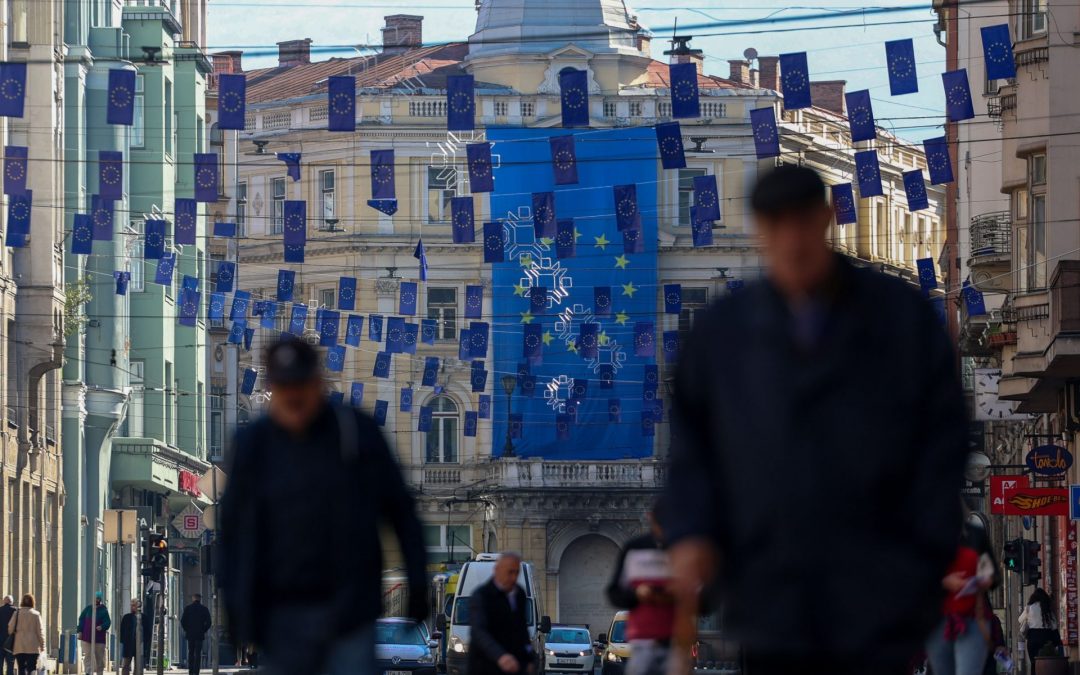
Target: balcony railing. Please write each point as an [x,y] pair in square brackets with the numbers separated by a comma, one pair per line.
[991,234]
[1008,103]
[542,473]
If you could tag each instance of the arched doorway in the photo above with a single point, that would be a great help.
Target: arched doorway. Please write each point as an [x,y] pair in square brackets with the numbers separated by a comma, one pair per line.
[584,571]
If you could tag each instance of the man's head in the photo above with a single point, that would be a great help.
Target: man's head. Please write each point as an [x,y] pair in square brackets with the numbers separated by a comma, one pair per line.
[196,598]
[134,605]
[98,598]
[8,600]
[507,571]
[793,217]
[292,370]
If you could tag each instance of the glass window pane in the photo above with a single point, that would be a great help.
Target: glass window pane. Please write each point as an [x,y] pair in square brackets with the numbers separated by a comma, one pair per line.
[433,444]
[432,536]
[450,451]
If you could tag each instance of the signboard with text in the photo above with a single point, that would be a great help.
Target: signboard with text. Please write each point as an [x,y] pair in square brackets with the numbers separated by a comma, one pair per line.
[1049,460]
[999,485]
[1068,596]
[1037,502]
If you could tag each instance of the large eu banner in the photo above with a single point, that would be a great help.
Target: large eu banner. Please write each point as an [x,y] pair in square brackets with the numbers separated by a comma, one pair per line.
[573,402]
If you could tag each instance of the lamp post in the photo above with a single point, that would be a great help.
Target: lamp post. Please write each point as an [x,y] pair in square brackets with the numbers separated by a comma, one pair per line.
[508,384]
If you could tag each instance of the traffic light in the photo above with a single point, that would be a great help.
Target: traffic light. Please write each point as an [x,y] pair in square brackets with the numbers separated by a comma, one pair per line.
[1032,563]
[1012,557]
[156,561]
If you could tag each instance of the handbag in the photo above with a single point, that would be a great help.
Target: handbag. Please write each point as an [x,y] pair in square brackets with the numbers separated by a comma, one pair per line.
[9,642]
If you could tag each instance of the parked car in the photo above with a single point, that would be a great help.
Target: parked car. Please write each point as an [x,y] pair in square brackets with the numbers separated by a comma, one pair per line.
[616,648]
[401,648]
[569,649]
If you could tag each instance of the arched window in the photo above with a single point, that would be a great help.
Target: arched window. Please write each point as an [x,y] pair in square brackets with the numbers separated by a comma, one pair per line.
[442,439]
[217,136]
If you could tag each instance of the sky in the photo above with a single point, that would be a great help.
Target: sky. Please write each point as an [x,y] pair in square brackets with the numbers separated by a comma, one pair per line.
[843,41]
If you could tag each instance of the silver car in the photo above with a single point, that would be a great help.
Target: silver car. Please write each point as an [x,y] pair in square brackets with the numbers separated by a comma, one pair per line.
[401,648]
[569,649]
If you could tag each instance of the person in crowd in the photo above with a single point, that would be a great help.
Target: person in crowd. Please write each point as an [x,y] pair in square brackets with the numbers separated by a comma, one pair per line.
[129,642]
[196,623]
[324,473]
[1038,624]
[29,632]
[94,624]
[999,648]
[499,628]
[640,584]
[7,610]
[818,446]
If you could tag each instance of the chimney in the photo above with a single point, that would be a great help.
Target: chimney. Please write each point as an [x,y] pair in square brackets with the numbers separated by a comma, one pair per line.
[755,77]
[227,63]
[769,72]
[697,59]
[681,52]
[294,52]
[402,33]
[644,43]
[740,71]
[829,94]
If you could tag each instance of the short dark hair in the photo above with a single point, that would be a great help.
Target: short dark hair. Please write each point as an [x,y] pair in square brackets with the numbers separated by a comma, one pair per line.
[291,361]
[787,188]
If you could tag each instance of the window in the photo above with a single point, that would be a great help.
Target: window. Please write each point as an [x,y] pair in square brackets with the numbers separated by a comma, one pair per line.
[327,297]
[51,408]
[635,108]
[136,264]
[241,208]
[528,109]
[169,128]
[217,137]
[1032,18]
[1037,169]
[170,403]
[446,538]
[217,433]
[663,109]
[1037,246]
[441,189]
[135,405]
[277,185]
[442,439]
[442,306]
[694,300]
[1020,204]
[502,108]
[610,109]
[12,379]
[686,193]
[138,127]
[326,196]
[17,22]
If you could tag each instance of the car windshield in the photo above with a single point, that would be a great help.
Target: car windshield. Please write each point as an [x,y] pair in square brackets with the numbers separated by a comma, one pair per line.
[569,636]
[618,632]
[461,611]
[398,633]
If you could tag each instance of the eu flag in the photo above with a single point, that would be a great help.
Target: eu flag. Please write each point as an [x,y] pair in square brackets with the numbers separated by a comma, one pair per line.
[843,199]
[185,211]
[225,276]
[154,242]
[292,164]
[463,227]
[474,301]
[429,328]
[189,307]
[614,410]
[335,358]
[566,239]
[672,298]
[671,345]
[479,380]
[707,197]
[431,372]
[481,177]
[224,229]
[998,52]
[111,175]
[861,116]
[958,105]
[494,243]
[470,424]
[19,212]
[406,399]
[973,300]
[216,310]
[206,177]
[286,283]
[463,345]
[421,257]
[341,103]
[329,326]
[240,303]
[669,140]
[517,425]
[295,216]
[633,241]
[562,427]
[460,103]
[795,80]
[532,341]
[82,235]
[347,293]
[354,330]
[381,369]
[483,406]
[588,340]
[927,275]
[564,160]
[627,216]
[298,319]
[538,300]
[382,174]
[407,298]
[379,414]
[101,210]
[356,395]
[766,133]
[574,87]
[236,332]
[684,90]
[423,421]
[13,88]
[644,339]
[375,328]
[165,266]
[543,212]
[701,229]
[938,162]
[15,160]
[387,206]
[247,388]
[122,281]
[602,301]
[232,101]
[479,332]
[915,188]
[903,78]
[869,174]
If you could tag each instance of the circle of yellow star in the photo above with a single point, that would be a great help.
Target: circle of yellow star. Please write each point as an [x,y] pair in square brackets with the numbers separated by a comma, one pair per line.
[547,337]
[603,339]
[629,289]
[525,260]
[527,317]
[601,242]
[519,290]
[621,318]
[622,262]
[571,347]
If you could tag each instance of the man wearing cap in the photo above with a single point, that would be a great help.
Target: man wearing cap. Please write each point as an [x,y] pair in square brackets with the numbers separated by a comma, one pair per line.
[7,610]
[94,624]
[301,559]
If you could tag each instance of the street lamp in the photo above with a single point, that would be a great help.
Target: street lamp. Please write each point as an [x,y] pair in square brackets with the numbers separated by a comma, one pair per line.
[509,382]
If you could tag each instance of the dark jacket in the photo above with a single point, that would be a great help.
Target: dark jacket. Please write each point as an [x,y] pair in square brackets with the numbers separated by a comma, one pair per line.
[826,476]
[495,629]
[300,527]
[129,624]
[195,621]
[6,612]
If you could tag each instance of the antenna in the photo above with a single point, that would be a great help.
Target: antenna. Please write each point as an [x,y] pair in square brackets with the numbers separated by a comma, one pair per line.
[750,54]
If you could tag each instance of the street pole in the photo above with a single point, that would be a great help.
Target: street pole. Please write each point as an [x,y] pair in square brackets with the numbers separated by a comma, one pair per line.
[214,629]
[93,600]
[160,609]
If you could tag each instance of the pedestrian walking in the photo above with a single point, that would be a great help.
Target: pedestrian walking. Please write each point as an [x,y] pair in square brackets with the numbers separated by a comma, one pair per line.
[499,628]
[818,445]
[129,642]
[29,632]
[1038,624]
[641,584]
[196,622]
[7,610]
[94,624]
[301,559]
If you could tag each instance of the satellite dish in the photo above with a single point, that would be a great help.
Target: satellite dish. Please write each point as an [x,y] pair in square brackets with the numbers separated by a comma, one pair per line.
[978,467]
[750,54]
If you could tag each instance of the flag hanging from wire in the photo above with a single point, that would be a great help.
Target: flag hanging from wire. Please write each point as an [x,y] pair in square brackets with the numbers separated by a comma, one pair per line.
[602,301]
[669,141]
[189,307]
[632,241]
[206,177]
[588,340]
[481,177]
[958,105]
[861,115]
[101,211]
[375,328]
[915,188]
[13,88]
[566,239]
[685,101]
[868,172]
[354,330]
[974,301]
[82,234]
[241,302]
[216,309]
[335,358]
[766,133]
[903,78]
[429,329]
[165,266]
[543,212]
[538,300]
[843,199]
[111,174]
[341,103]
[644,339]
[460,103]
[463,225]
[938,161]
[292,164]
[329,326]
[532,342]
[295,225]
[395,335]
[20,208]
[474,301]
[574,88]
[15,168]
[381,369]
[672,298]
[153,239]
[795,81]
[998,52]
[232,101]
[247,388]
[421,258]
[701,229]
[224,229]
[387,206]
[494,243]
[707,197]
[186,211]
[120,108]
[347,293]
[382,175]
[627,216]
[927,275]
[407,298]
[564,159]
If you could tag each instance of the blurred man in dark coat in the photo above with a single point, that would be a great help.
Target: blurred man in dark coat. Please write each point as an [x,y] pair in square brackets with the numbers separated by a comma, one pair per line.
[196,622]
[818,445]
[499,626]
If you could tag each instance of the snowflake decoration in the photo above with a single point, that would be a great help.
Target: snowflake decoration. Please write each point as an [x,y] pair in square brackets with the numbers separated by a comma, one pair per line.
[558,391]
[520,237]
[549,273]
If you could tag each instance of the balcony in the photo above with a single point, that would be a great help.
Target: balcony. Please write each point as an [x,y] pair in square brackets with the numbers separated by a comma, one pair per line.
[991,251]
[544,473]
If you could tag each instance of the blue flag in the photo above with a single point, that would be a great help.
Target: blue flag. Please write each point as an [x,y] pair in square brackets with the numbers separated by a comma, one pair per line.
[206,177]
[528,386]
[915,188]
[248,386]
[494,243]
[286,283]
[407,298]
[588,340]
[795,81]
[347,293]
[82,235]
[707,197]
[292,164]
[566,239]
[538,300]
[517,425]
[998,52]
[101,211]
[387,206]
[236,333]
[481,176]
[669,140]
[564,160]
[648,423]
[405,400]
[189,307]
[478,339]
[672,298]
[295,215]
[232,101]
[224,229]
[226,274]
[632,241]
[20,208]
[543,212]
[652,378]
[186,211]
[861,115]
[329,327]
[356,395]
[381,369]
[381,408]
[644,339]
[671,346]
[927,275]
[958,105]
[165,267]
[701,229]
[463,227]
[354,330]
[974,301]
[121,104]
[602,301]
[685,102]
[122,281]
[614,410]
[868,172]
[843,199]
[154,239]
[429,329]
[470,424]
[431,372]
[460,103]
[627,216]
[375,328]
[382,175]
[474,301]
[15,168]
[335,358]
[216,310]
[13,88]
[336,398]
[341,103]
[423,422]
[479,381]
[483,406]
[903,78]
[562,427]
[938,162]
[574,88]
[532,341]
[766,133]
[298,319]
[607,376]
[421,257]
[409,337]
[241,302]
[111,175]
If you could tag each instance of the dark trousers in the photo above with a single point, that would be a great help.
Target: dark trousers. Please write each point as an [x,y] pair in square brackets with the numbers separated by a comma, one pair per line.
[9,663]
[27,663]
[1037,638]
[762,664]
[194,656]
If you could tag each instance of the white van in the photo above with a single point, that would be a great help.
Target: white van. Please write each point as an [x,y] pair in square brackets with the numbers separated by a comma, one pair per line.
[472,576]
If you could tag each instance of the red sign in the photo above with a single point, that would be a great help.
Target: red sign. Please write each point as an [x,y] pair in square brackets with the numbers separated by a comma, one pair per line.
[999,485]
[1037,502]
[1067,595]
[189,483]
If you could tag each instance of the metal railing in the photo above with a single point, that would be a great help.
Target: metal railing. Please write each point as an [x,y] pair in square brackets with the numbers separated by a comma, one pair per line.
[991,234]
[532,472]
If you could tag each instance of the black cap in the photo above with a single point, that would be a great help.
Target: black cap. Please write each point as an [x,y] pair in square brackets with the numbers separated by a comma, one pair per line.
[787,188]
[291,361]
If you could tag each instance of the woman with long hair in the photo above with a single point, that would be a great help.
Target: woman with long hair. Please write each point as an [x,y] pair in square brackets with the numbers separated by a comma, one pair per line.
[1039,624]
[29,634]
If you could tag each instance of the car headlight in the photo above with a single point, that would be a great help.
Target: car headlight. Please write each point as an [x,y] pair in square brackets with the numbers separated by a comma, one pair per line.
[584,653]
[550,652]
[613,657]
[458,645]
[426,658]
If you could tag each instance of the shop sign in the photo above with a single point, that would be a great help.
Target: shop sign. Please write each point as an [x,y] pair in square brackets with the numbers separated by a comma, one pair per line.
[1037,502]
[189,483]
[999,485]
[1049,460]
